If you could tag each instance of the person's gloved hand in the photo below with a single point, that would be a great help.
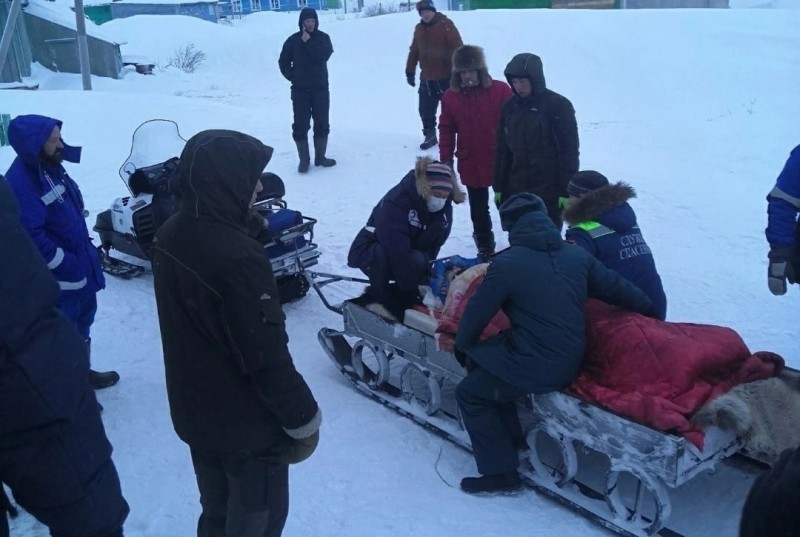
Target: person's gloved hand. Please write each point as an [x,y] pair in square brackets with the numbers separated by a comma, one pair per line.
[410,80]
[780,269]
[498,198]
[300,443]
[461,357]
[563,202]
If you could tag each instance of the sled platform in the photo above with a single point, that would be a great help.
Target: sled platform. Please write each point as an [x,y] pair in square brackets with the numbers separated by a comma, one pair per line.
[625,476]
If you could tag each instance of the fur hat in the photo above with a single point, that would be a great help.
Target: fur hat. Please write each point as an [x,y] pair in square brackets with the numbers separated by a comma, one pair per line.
[422,5]
[432,174]
[516,206]
[586,181]
[469,58]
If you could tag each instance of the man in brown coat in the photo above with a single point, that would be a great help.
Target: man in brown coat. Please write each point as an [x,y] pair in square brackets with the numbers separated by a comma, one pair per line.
[435,40]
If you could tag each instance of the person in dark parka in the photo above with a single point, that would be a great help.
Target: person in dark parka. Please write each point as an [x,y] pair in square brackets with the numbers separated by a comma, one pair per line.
[771,505]
[542,284]
[304,63]
[52,211]
[235,396]
[602,222]
[405,232]
[537,139]
[54,454]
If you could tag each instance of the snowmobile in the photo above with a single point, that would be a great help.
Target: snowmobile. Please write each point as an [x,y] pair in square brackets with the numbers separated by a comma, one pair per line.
[149,173]
[625,476]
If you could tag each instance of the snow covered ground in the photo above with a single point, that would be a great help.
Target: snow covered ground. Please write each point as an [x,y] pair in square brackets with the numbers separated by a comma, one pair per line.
[697,109]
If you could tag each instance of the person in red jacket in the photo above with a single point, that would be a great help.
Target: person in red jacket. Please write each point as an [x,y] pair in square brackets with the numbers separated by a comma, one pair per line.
[468,130]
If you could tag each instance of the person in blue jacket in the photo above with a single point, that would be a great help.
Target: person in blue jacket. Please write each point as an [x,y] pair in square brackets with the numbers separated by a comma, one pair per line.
[52,211]
[405,232]
[782,229]
[602,222]
[541,283]
[54,453]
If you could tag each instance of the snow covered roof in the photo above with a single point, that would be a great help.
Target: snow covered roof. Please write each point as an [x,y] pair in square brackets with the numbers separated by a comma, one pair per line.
[62,14]
[166,2]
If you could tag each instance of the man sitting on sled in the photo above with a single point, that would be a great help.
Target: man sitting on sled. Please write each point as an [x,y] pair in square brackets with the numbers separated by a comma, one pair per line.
[541,283]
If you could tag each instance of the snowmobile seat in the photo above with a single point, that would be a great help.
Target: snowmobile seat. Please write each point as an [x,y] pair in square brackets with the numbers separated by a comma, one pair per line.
[273,187]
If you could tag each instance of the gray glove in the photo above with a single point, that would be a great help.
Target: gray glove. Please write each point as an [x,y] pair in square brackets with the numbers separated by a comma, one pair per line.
[780,269]
[301,442]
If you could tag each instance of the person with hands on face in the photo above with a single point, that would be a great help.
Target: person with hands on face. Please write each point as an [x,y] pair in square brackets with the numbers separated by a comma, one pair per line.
[304,62]
[782,230]
[235,396]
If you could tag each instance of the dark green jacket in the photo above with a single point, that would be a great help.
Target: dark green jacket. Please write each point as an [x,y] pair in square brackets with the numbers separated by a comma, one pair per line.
[542,284]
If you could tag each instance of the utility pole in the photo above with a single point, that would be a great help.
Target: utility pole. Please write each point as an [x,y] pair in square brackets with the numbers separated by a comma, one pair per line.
[8,31]
[83,46]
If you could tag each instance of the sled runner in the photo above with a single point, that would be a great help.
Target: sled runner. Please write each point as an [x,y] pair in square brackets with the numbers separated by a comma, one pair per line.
[131,223]
[627,477]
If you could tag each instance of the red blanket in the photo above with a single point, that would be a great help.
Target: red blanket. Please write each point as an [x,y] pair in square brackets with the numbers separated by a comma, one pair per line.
[653,372]
[660,373]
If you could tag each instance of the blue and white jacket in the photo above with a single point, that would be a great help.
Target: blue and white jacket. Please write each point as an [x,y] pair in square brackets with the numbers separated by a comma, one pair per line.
[51,208]
[784,204]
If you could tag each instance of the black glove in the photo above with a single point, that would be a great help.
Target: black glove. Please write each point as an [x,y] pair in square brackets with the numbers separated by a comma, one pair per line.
[461,357]
[410,80]
[780,269]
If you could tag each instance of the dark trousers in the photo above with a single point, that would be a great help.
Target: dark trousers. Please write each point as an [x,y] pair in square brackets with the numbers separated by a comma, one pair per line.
[489,411]
[308,104]
[80,311]
[241,495]
[380,276]
[430,93]
[479,210]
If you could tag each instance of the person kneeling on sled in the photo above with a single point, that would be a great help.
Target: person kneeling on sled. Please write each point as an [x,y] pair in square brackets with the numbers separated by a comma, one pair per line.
[404,233]
[603,223]
[782,228]
[541,283]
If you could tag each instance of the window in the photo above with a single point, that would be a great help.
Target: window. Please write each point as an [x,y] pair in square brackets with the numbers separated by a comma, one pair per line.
[255,5]
[236,6]
[302,3]
[275,4]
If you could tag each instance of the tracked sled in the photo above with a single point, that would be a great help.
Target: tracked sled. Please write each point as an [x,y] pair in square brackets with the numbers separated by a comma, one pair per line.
[130,225]
[627,477]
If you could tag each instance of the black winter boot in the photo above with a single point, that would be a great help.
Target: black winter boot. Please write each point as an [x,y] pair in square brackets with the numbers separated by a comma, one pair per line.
[430,139]
[320,147]
[485,244]
[507,483]
[305,157]
[99,380]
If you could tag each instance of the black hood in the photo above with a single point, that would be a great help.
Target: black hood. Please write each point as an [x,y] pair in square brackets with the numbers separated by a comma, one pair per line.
[527,65]
[218,172]
[308,13]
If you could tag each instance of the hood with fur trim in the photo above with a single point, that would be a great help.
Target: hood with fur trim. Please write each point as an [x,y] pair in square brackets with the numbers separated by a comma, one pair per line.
[469,58]
[598,202]
[424,187]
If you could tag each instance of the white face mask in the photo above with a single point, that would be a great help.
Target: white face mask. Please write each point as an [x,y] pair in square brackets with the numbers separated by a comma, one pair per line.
[436,204]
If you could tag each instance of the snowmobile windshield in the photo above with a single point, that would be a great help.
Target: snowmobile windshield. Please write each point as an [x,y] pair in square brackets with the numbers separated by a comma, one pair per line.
[154,142]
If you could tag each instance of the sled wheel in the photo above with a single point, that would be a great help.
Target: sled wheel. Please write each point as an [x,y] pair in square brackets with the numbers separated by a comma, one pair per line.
[639,502]
[552,455]
[420,384]
[375,372]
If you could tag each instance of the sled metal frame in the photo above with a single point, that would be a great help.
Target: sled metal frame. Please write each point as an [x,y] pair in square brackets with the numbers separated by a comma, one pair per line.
[655,460]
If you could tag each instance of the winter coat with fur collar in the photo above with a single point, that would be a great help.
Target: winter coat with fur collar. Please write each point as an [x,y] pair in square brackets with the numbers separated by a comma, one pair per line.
[604,224]
[401,222]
